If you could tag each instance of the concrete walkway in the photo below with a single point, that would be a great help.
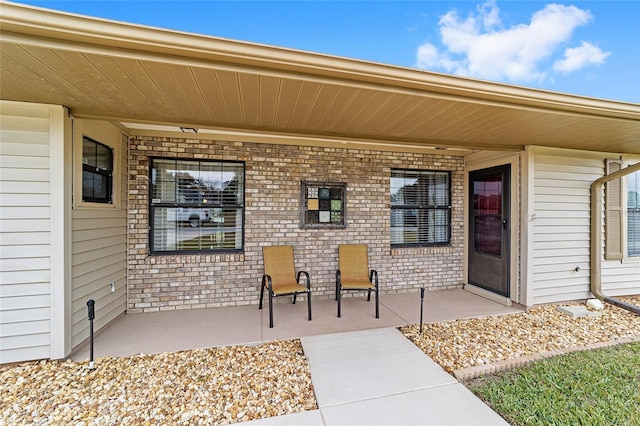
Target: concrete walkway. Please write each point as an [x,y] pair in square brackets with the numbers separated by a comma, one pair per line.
[378,377]
[364,371]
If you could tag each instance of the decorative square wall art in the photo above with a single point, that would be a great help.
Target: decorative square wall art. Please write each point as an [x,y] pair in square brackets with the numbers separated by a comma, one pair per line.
[322,204]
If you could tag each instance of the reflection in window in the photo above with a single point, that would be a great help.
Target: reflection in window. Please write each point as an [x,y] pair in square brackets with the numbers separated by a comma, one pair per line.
[420,208]
[633,214]
[97,171]
[487,214]
[196,205]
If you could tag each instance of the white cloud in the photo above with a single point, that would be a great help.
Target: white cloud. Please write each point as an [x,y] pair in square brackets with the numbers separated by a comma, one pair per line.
[578,57]
[479,45]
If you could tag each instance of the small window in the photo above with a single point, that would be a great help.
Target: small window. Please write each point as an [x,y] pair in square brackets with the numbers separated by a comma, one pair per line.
[420,208]
[322,204]
[97,171]
[633,214]
[196,205]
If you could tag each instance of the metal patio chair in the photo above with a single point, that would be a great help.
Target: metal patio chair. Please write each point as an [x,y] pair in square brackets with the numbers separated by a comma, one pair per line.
[280,278]
[354,274]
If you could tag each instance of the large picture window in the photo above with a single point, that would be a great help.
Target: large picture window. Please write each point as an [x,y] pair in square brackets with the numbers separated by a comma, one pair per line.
[196,205]
[97,171]
[420,208]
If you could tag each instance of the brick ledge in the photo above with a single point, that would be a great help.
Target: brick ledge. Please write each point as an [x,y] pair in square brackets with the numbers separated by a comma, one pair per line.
[469,373]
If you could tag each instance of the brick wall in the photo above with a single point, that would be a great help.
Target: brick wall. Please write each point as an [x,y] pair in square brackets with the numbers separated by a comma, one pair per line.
[272,193]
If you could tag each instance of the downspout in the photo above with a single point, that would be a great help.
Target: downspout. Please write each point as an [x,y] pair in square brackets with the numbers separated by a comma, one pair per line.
[596,238]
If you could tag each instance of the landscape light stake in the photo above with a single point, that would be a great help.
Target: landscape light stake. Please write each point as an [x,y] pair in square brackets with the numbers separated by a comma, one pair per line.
[421,305]
[92,314]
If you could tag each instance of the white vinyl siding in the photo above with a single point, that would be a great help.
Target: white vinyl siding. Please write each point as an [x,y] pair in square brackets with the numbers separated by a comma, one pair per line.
[52,258]
[562,195]
[98,259]
[25,237]
[561,229]
[99,241]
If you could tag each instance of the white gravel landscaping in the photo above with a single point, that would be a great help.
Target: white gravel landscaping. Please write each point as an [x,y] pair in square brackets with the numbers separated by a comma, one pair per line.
[203,386]
[239,383]
[471,342]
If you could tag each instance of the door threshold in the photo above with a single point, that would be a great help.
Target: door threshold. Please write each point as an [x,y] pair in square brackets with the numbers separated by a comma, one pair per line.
[488,294]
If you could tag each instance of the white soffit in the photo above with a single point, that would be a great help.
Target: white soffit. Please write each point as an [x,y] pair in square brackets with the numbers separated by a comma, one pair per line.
[130,73]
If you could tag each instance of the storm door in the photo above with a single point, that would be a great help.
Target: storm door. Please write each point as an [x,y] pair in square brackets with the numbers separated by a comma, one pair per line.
[489,226]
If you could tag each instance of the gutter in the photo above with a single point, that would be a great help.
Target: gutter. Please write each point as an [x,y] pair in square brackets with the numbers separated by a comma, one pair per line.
[596,238]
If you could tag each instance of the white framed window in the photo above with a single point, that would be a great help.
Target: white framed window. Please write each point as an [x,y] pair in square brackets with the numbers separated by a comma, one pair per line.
[97,172]
[98,159]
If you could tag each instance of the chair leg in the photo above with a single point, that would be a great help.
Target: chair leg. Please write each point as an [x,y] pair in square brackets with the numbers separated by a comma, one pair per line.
[377,305]
[309,303]
[294,298]
[270,309]
[338,298]
[369,295]
[261,295]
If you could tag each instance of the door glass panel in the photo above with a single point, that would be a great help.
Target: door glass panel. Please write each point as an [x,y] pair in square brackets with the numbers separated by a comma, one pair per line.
[487,207]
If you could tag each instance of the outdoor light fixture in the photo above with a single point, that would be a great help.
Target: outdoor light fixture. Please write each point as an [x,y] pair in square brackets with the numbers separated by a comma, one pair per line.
[189,130]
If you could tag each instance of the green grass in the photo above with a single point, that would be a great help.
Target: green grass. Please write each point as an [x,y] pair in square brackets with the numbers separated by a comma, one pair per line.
[596,387]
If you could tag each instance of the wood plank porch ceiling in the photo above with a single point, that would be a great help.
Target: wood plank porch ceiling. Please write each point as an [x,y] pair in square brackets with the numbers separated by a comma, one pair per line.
[130,73]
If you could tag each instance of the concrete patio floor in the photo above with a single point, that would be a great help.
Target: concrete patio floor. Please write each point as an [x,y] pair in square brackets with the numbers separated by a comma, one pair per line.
[202,328]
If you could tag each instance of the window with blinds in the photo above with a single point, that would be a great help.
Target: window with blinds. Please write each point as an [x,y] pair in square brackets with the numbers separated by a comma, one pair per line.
[633,214]
[619,216]
[420,208]
[196,205]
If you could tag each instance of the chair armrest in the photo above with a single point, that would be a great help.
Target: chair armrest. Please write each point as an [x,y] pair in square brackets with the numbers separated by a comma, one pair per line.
[337,276]
[267,278]
[373,274]
[306,274]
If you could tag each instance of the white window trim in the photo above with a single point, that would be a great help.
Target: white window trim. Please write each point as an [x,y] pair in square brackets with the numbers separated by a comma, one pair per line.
[106,134]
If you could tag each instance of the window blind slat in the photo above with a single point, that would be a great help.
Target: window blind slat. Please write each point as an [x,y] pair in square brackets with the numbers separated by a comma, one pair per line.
[633,214]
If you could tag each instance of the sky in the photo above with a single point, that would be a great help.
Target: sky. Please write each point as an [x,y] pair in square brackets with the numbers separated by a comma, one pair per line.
[587,48]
